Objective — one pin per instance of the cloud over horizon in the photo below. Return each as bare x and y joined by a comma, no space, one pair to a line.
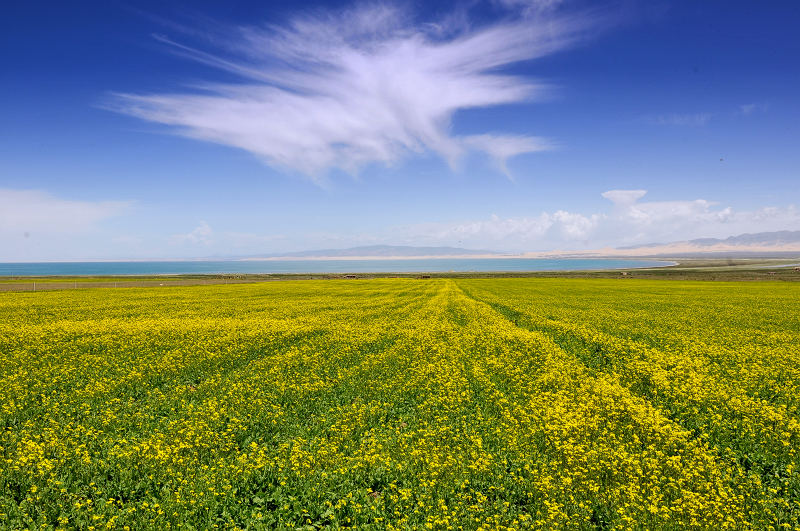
69,227
629,222
361,86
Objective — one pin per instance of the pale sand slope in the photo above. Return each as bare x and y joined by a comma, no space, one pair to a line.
670,249
679,248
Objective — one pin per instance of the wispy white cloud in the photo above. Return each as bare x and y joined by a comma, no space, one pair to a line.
26,213
692,119
700,119
752,108
36,225
367,85
531,6
222,242
500,148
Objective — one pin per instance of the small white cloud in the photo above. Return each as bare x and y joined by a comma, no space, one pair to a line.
624,197
36,213
201,235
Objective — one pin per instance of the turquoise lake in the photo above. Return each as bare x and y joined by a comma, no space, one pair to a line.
432,265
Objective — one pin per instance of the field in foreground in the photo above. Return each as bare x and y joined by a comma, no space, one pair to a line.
438,403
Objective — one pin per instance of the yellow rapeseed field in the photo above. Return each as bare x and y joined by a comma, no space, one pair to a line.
402,404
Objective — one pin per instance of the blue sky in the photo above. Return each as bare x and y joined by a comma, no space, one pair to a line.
139,130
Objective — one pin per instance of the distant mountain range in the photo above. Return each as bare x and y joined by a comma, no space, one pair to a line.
382,251
761,239
781,243
761,244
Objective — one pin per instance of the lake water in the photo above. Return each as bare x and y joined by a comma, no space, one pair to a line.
431,265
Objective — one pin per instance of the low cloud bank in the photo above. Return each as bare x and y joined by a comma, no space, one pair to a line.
630,221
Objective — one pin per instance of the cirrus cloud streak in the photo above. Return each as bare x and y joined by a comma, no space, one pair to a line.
362,86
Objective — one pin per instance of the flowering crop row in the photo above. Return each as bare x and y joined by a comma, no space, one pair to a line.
396,403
